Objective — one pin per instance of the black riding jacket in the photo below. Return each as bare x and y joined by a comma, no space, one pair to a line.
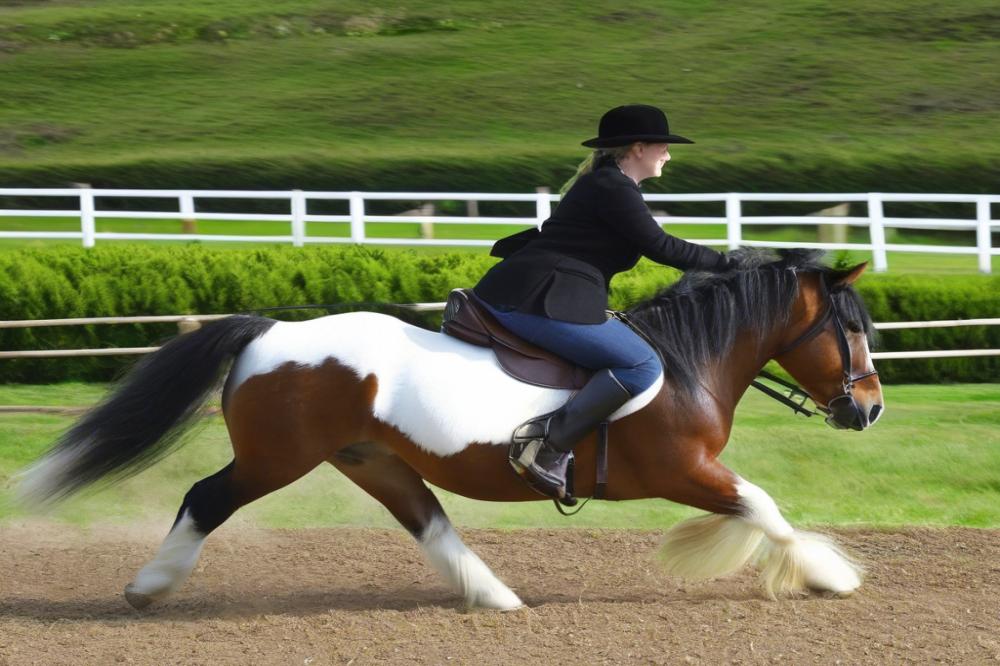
601,227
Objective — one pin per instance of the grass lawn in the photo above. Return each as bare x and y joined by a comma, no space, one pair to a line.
882,94
933,459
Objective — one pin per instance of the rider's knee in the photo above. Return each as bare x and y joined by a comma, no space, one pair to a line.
641,376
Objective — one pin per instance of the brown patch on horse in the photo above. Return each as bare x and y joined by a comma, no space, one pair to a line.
377,470
284,423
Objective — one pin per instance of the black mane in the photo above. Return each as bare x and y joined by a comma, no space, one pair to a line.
697,319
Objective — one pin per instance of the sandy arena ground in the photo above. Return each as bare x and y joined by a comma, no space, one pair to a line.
359,596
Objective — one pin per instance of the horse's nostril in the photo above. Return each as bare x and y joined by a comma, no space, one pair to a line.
873,415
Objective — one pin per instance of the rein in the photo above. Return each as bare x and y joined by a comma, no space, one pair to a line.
846,361
795,398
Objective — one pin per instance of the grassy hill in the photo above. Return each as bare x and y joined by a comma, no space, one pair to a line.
805,95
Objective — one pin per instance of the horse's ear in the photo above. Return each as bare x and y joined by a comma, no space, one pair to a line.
846,277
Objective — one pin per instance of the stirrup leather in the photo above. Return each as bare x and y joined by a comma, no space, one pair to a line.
541,449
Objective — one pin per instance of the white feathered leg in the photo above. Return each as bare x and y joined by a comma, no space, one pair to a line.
709,546
789,560
463,570
173,563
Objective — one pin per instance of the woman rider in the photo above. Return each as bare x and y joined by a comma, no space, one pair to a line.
551,287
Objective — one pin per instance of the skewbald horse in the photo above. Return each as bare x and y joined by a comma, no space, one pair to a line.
393,406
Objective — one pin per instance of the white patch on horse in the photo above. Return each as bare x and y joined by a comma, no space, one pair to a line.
870,367
761,510
440,392
173,563
463,569
792,560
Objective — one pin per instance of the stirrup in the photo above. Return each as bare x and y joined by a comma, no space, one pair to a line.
549,435
523,456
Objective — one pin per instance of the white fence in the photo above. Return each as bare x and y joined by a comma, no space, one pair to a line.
298,215
188,322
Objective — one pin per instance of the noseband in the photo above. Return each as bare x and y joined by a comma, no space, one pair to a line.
846,399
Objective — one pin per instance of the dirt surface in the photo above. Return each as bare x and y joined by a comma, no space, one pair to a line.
357,596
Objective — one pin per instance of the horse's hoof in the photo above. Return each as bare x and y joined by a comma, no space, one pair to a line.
494,609
499,600
137,599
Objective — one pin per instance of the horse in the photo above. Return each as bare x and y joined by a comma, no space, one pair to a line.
395,406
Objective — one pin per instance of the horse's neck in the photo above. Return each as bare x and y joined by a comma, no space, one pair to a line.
735,370
748,356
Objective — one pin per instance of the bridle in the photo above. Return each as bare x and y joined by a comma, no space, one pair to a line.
845,400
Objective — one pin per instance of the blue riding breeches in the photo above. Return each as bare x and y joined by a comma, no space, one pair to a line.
611,345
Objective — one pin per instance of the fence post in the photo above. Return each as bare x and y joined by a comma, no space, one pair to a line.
734,231
983,241
833,233
543,207
357,217
427,228
298,218
188,223
876,229
187,326
87,226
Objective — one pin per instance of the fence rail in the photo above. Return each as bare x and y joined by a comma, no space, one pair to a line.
187,322
297,217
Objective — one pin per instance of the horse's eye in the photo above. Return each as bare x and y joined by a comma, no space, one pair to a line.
853,326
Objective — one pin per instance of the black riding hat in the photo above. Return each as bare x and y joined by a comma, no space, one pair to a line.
623,125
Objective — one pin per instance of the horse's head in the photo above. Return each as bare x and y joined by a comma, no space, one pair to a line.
826,349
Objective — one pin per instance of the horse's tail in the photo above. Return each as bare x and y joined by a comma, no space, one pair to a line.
145,413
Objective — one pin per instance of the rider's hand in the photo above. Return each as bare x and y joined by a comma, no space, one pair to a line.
726,263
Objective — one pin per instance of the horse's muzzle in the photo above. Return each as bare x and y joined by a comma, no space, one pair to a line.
846,414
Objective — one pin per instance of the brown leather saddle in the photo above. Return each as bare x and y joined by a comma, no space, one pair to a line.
467,319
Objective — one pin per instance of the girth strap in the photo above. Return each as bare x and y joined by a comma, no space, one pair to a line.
601,484
601,479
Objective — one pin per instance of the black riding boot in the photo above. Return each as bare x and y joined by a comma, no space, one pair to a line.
542,447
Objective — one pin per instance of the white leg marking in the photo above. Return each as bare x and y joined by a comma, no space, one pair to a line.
790,560
172,565
716,545
463,570
762,512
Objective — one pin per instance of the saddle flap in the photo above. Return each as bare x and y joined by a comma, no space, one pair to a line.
467,320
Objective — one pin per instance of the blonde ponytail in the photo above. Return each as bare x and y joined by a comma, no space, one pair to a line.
587,165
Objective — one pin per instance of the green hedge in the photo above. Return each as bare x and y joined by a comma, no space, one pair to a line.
912,298
816,170
63,282
140,280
